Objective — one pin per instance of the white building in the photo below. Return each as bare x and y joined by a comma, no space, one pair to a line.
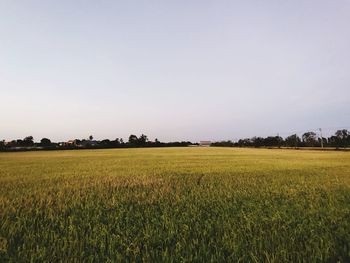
205,143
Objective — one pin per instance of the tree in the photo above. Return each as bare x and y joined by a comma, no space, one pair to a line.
323,140
293,141
91,137
223,144
309,138
342,137
116,142
342,134
156,142
142,140
133,139
2,144
257,141
273,141
28,141
105,143
17,143
45,142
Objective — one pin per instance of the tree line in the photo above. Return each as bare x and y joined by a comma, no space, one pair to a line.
341,139
133,141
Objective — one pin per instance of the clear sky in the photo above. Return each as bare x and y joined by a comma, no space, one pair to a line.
176,70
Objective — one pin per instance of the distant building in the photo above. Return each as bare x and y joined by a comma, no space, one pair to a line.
205,143
68,143
71,142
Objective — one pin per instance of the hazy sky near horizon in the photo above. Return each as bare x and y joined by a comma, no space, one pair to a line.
176,70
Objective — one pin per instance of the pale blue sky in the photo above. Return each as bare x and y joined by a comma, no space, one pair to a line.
176,70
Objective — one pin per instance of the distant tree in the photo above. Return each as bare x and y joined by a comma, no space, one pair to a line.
334,141
105,142
28,141
273,141
280,141
45,142
324,141
2,144
133,139
309,138
342,137
156,142
17,143
91,137
342,134
142,140
13,143
244,142
116,142
257,141
292,141
223,144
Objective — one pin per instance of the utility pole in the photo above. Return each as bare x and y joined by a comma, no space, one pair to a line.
321,138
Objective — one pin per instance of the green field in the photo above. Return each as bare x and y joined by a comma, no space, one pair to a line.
175,205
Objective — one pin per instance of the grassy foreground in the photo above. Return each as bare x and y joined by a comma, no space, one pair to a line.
173,205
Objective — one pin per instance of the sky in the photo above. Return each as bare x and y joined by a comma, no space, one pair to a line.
174,70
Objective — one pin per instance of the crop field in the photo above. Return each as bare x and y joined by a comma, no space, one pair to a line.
175,205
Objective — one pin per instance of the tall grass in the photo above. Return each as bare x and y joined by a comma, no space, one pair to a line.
174,205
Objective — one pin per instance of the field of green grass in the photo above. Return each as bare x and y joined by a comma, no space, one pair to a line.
175,205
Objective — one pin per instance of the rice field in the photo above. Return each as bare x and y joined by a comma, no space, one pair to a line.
175,205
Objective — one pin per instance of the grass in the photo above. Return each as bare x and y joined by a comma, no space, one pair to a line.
175,205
